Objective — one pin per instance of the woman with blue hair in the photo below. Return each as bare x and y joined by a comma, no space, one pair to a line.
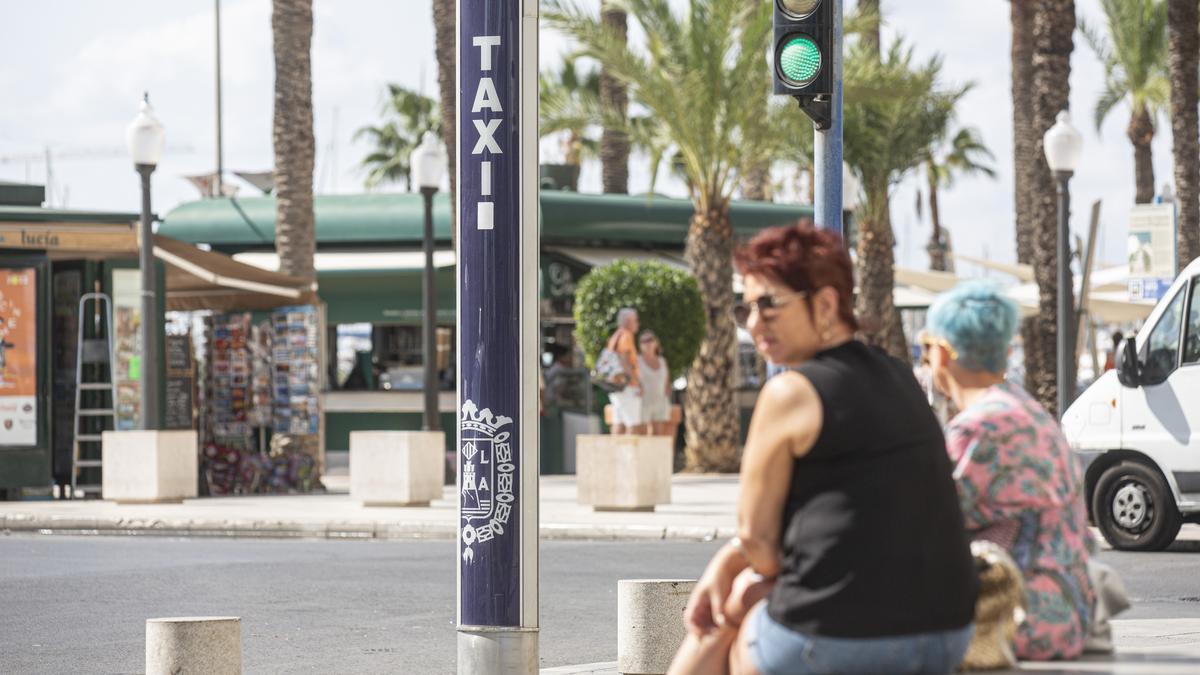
1018,484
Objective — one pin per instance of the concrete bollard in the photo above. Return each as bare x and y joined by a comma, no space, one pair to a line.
623,473
200,645
397,468
650,623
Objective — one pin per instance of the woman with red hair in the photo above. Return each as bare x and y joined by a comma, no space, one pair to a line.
851,555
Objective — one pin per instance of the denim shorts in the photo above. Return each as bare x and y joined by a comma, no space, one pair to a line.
778,650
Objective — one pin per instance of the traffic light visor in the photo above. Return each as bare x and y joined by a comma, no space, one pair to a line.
800,60
799,9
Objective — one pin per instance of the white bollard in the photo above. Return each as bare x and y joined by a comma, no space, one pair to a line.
200,645
397,468
623,473
650,623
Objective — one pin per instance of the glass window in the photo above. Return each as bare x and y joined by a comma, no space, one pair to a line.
1162,350
1191,343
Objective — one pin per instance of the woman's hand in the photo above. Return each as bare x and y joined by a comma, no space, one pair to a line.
705,610
748,589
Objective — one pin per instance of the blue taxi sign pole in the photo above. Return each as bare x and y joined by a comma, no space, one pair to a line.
498,337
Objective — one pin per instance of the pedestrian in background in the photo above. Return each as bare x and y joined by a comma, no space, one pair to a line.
1110,360
1018,483
848,522
627,403
656,385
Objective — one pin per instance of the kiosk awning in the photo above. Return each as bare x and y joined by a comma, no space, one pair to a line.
198,279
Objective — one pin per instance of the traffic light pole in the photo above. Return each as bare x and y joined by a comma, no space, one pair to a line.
827,149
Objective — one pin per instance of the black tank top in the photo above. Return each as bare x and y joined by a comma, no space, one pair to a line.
873,537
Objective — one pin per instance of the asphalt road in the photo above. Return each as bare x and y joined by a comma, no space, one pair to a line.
78,604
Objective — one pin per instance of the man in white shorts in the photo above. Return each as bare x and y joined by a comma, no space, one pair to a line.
627,403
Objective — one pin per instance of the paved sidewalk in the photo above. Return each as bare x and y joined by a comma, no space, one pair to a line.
1144,647
701,508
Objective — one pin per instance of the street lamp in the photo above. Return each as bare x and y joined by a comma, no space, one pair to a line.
428,165
144,138
1063,146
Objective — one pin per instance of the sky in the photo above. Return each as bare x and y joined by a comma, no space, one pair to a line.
76,70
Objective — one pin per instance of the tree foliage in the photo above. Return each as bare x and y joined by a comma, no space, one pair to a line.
407,115
667,300
1134,56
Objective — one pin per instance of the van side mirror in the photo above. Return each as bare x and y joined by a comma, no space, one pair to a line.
1128,369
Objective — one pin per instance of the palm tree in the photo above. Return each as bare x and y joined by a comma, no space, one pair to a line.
295,147
1024,159
569,102
965,155
295,151
407,115
1184,48
1135,68
697,71
445,25
614,142
1054,27
885,137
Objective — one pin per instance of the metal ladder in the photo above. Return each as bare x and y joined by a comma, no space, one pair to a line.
96,351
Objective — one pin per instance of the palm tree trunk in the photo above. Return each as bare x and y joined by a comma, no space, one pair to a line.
870,38
1054,26
756,181
295,147
1024,143
445,24
614,143
1184,34
1141,134
937,243
295,153
710,411
876,274
1024,159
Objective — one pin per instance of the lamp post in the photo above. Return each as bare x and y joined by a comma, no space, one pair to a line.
428,165
144,138
1063,145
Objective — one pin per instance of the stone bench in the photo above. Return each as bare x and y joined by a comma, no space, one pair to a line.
623,473
650,623
146,467
397,468
198,645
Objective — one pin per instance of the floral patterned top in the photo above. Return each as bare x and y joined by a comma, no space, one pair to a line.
1020,486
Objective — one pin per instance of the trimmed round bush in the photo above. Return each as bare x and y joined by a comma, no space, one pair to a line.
667,300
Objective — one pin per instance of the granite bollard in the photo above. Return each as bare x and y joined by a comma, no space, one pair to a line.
145,467
650,623
195,645
397,468
623,473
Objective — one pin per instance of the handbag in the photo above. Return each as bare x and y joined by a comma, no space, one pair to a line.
609,373
999,609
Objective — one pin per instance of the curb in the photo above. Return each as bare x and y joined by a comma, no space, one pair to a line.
26,523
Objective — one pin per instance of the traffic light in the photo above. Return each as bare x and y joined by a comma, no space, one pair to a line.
803,55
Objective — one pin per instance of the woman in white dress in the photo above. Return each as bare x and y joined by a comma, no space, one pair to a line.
656,386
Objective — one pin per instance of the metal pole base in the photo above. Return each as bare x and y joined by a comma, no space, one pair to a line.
484,650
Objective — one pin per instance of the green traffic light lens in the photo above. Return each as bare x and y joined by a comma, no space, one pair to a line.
799,8
800,60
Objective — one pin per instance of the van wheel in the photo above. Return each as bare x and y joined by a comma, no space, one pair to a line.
1134,508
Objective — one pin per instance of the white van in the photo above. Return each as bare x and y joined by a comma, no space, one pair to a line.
1136,430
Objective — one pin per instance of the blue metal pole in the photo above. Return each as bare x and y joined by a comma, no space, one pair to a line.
498,337
827,155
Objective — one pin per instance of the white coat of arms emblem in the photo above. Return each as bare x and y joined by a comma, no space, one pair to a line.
486,489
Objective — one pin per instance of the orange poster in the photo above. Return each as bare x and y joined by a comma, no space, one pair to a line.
18,356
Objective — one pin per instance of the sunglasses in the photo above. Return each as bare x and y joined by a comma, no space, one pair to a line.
928,342
765,306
